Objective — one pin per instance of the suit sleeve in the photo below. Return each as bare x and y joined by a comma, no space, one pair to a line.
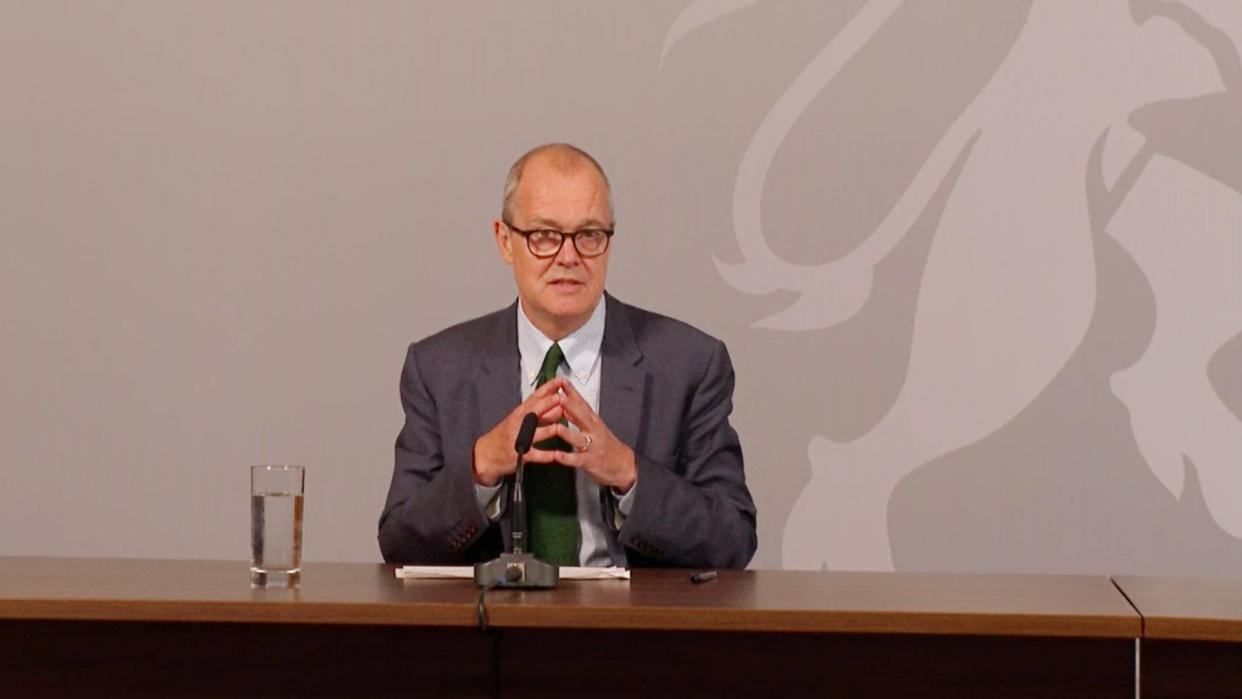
696,512
432,515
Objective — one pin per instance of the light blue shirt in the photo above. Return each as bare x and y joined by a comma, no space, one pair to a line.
582,367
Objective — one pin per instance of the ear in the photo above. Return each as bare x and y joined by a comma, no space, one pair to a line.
504,241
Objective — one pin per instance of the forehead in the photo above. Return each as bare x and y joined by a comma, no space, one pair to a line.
567,194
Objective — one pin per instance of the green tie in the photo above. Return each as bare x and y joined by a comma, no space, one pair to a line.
550,492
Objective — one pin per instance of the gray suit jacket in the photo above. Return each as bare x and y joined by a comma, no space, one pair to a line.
666,390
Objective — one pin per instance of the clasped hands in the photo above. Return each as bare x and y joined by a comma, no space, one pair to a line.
597,450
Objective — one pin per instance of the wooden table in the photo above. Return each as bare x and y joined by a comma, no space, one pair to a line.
1192,635
197,627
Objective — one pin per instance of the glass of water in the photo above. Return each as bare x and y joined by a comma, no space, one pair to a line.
276,493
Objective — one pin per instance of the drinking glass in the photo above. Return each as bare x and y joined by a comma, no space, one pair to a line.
276,493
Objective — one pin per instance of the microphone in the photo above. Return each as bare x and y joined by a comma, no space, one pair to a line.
517,494
526,434
516,567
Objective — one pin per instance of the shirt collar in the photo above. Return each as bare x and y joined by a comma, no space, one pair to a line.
581,347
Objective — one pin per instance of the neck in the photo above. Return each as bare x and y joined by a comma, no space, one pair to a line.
555,329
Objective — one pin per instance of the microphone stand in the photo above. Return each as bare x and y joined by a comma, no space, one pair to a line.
517,568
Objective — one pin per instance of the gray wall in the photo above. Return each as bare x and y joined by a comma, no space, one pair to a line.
978,262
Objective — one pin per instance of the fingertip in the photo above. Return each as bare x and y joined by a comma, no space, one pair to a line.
539,456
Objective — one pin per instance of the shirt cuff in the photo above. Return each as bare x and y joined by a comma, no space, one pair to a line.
488,497
624,503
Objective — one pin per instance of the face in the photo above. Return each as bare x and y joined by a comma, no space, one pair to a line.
557,293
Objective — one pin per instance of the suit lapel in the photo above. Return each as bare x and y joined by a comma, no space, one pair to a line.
623,379
497,383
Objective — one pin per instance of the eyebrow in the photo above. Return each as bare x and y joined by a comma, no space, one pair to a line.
539,222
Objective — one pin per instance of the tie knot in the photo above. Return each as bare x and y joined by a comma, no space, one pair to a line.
551,361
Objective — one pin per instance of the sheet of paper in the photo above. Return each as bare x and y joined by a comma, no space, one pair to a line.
467,572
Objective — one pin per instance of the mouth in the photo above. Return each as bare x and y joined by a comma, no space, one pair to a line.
565,284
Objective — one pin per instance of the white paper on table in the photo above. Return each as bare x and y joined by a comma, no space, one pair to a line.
467,572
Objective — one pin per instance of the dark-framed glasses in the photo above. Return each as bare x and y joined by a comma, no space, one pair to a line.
547,242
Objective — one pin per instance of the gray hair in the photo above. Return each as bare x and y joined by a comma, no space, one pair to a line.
566,158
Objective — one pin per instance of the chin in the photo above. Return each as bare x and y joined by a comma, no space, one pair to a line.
569,308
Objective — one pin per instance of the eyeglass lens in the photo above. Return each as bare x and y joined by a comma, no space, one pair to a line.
588,242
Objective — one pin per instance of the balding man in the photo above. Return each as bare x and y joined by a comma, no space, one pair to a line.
635,462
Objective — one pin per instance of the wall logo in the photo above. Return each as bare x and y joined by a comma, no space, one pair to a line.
1072,394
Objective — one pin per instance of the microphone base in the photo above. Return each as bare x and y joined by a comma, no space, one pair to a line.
520,570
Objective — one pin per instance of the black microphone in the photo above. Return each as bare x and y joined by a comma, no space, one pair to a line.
517,493
526,434
517,567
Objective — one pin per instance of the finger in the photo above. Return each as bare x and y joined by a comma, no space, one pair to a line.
572,459
539,405
570,390
546,432
540,456
580,413
553,414
550,387
542,398
549,456
574,438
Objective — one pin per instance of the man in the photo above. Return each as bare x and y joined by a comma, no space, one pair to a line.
635,462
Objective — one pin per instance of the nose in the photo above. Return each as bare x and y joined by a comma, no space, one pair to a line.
568,255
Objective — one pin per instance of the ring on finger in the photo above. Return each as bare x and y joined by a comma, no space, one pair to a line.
588,442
